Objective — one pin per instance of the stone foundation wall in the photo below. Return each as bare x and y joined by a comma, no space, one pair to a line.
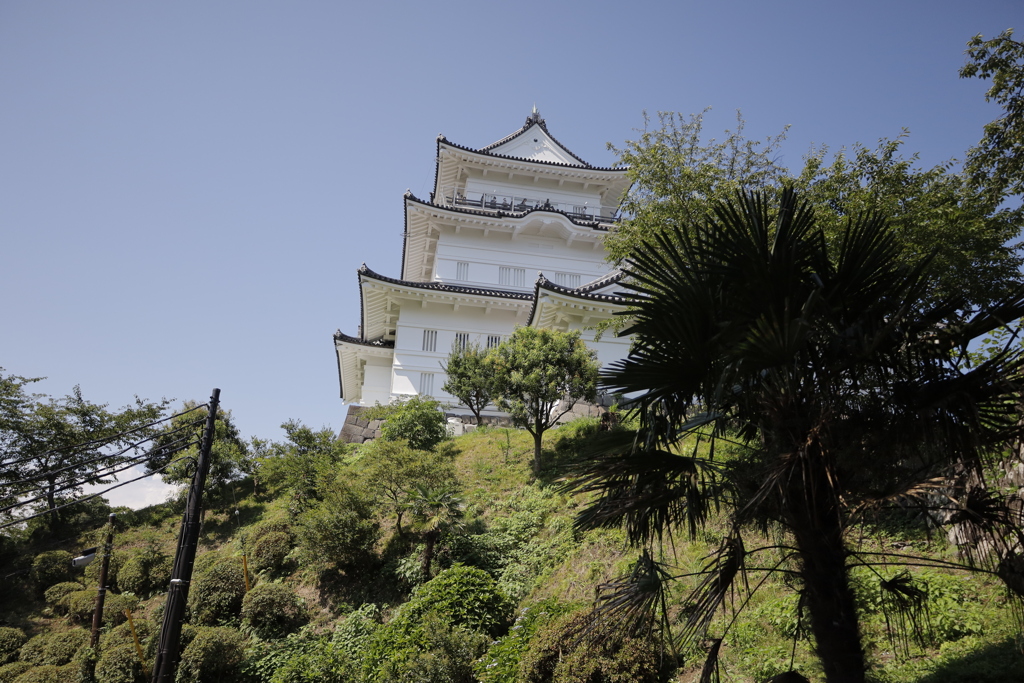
358,430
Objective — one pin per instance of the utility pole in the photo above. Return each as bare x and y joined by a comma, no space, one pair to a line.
101,594
168,654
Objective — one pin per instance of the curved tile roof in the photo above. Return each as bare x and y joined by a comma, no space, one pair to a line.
442,287
377,343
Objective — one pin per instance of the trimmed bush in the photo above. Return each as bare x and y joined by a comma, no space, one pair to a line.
215,655
9,672
82,603
467,596
561,652
258,531
51,567
145,574
269,551
61,647
40,674
57,595
34,651
205,562
122,635
341,531
119,664
92,570
272,610
216,595
11,640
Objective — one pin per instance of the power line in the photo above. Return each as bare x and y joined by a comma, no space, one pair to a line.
103,441
95,476
95,495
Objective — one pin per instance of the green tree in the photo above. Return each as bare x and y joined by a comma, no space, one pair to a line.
417,419
434,509
539,375
393,470
229,455
468,377
937,214
996,164
301,464
54,447
850,391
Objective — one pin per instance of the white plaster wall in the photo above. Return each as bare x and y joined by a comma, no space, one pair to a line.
534,254
376,381
494,184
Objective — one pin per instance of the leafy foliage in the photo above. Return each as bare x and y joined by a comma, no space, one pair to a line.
215,655
119,664
56,596
824,364
145,573
539,375
11,640
272,610
270,551
52,567
301,465
468,377
997,163
418,420
229,454
216,594
341,531
393,470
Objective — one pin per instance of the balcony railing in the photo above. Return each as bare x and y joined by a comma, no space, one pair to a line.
514,204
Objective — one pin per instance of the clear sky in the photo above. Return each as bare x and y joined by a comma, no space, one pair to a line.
188,188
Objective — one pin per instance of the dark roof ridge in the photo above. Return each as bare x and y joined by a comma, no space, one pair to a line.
595,225
380,342
560,164
442,287
603,281
544,283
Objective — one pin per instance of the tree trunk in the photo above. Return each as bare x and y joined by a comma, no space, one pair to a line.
537,435
428,553
817,528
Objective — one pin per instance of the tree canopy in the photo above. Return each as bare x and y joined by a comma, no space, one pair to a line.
953,220
53,447
538,377
468,378
848,387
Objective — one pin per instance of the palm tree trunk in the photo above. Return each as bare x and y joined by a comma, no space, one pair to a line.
815,519
428,553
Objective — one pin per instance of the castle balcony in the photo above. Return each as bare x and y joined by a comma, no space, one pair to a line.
510,204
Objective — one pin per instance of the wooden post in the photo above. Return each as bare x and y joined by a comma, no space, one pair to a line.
101,593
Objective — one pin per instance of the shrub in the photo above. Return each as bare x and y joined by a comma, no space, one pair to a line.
420,421
60,648
34,651
272,610
205,562
145,574
561,652
92,570
216,595
442,619
501,663
40,674
269,551
341,531
9,672
11,640
51,567
467,596
215,655
119,664
82,603
57,595
261,529
122,635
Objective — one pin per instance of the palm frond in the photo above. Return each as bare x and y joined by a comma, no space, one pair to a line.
629,605
726,565
986,526
649,492
905,607
710,673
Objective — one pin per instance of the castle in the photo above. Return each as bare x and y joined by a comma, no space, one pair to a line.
513,234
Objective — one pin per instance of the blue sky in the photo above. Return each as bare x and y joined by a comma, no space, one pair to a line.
187,188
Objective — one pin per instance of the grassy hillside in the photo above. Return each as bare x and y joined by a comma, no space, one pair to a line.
336,592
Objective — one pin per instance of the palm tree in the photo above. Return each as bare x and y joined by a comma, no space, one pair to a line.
434,509
849,393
